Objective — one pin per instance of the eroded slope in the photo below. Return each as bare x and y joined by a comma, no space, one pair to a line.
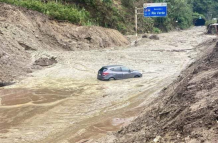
187,111
23,32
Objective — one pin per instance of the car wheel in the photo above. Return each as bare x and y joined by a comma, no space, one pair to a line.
110,79
136,76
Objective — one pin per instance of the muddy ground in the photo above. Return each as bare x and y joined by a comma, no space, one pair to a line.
186,111
65,102
24,32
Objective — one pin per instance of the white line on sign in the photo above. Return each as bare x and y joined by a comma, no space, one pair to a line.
154,4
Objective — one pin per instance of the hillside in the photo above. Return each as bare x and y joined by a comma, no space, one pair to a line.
119,14
24,35
186,111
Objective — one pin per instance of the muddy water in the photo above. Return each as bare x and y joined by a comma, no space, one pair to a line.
65,107
17,105
110,121
20,107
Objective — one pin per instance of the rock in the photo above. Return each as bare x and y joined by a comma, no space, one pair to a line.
2,84
26,47
88,38
145,36
154,37
157,139
45,61
2,54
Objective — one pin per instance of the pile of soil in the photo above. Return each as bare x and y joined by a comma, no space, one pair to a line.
186,111
23,32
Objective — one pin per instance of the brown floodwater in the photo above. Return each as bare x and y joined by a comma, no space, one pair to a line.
21,105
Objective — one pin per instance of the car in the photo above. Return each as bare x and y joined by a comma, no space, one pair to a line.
115,72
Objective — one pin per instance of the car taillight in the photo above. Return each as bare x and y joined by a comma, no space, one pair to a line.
105,73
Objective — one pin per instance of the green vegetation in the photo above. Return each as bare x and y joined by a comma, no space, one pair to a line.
80,12
104,13
181,13
211,22
56,10
156,30
209,8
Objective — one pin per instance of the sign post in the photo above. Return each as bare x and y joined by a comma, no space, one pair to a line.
136,22
150,10
155,10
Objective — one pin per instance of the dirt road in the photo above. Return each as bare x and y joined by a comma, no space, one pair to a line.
65,103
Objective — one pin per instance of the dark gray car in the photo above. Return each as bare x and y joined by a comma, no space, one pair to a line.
115,72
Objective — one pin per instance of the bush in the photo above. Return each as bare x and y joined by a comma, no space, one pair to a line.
156,30
211,22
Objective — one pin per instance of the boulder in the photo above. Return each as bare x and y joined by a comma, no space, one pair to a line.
154,37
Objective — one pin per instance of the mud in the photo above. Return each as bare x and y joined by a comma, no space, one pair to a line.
186,111
66,103
24,34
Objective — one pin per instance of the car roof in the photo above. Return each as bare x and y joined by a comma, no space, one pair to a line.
110,66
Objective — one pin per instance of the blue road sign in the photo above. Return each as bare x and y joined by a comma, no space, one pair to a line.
155,10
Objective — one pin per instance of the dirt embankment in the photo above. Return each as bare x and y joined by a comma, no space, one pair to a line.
24,33
186,111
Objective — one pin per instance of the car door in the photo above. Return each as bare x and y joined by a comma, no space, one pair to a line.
117,73
126,72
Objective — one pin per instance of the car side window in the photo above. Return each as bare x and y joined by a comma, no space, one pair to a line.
124,69
117,69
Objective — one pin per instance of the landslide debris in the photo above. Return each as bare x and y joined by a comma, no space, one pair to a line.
186,111
45,61
24,32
